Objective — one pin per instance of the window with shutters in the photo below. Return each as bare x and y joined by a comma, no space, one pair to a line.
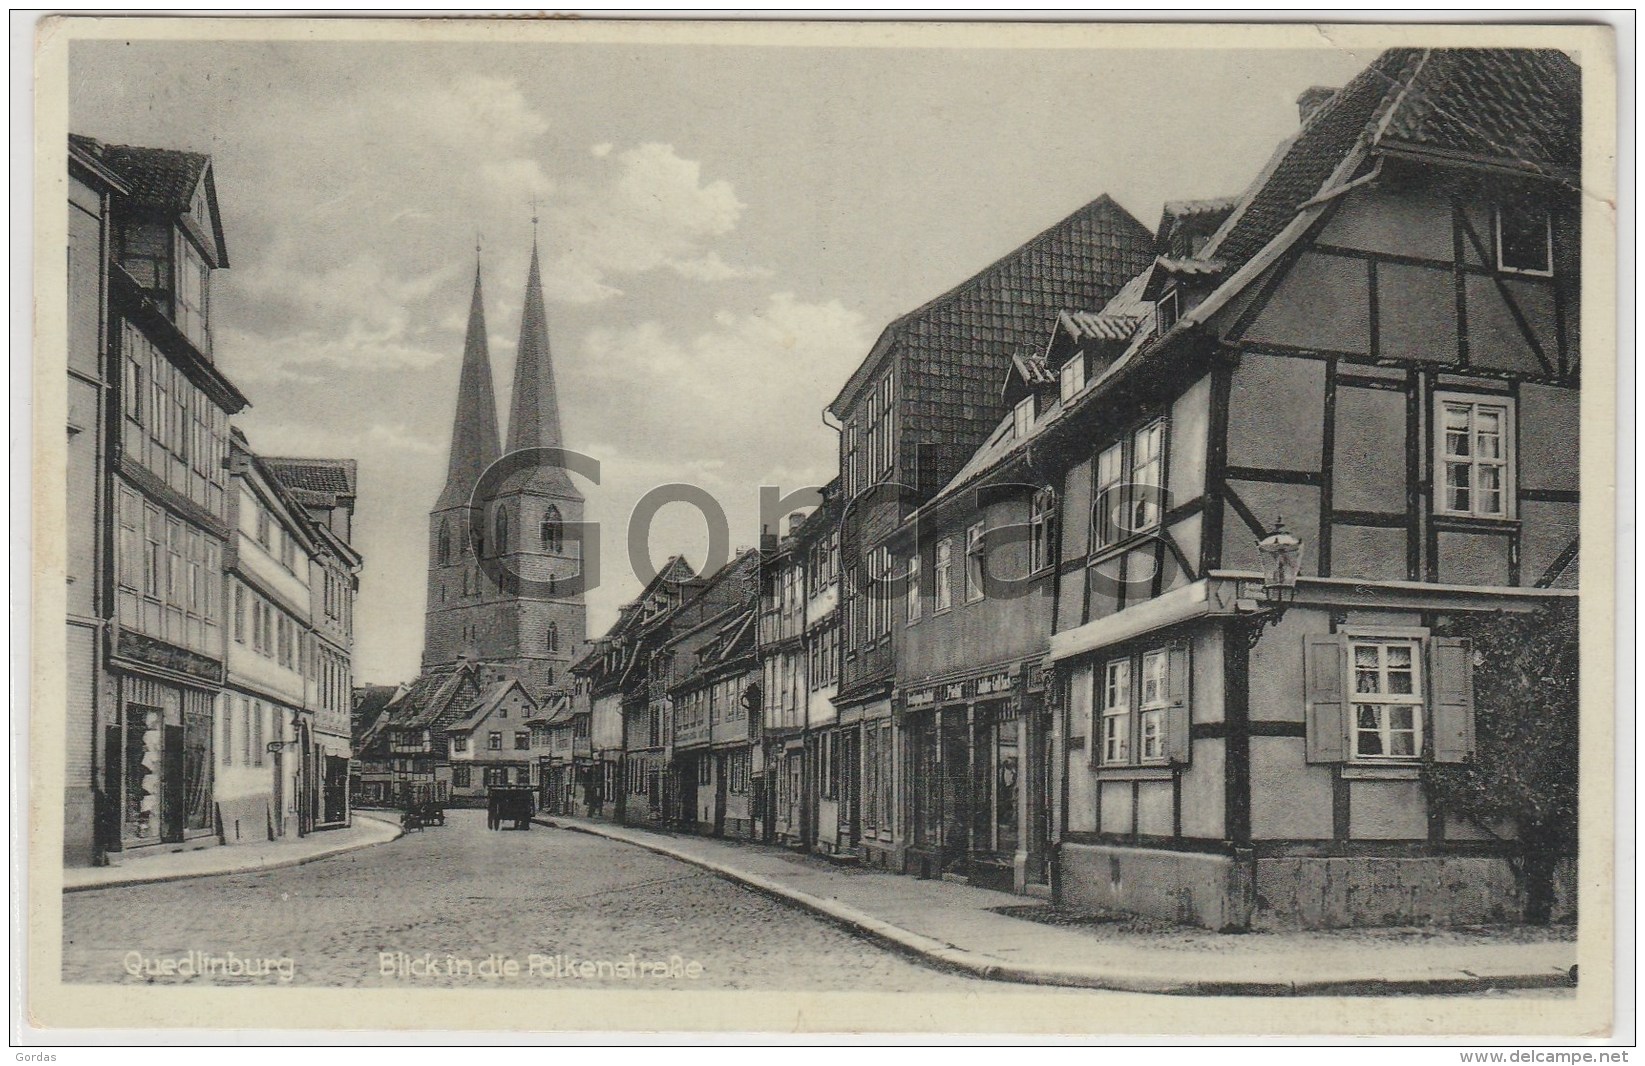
1381,696
1141,703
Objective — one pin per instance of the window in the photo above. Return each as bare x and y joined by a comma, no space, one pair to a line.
737,771
522,741
193,288
943,596
1142,700
240,613
551,637
459,742
1072,377
462,776
1168,310
973,563
1022,417
1151,713
1116,712
228,731
288,551
913,588
494,741
445,544
1386,698
501,523
1040,511
1475,460
1524,239
265,527
552,531
1110,495
1129,487
879,592
256,733
1147,485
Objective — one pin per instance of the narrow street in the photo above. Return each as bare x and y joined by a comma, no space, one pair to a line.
461,892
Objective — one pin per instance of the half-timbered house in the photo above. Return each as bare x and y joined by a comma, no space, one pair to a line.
1378,347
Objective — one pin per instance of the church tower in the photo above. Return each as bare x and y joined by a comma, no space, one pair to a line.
512,607
536,519
454,622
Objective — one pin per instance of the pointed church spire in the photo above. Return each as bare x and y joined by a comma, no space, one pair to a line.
474,431
534,417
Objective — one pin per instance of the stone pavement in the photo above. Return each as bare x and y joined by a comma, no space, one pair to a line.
961,928
241,858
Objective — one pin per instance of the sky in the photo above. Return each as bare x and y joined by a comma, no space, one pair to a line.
724,232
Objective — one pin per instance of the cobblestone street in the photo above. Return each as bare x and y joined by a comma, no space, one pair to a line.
463,892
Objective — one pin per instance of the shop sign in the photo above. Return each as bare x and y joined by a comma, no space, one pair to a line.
993,684
919,699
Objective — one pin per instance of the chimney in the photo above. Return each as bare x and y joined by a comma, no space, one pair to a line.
1312,99
795,520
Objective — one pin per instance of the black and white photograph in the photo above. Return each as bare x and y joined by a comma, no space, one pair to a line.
923,527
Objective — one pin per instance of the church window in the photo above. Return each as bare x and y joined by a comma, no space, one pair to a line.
445,543
553,530
502,530
552,638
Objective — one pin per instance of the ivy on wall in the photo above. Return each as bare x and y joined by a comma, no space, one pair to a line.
1526,733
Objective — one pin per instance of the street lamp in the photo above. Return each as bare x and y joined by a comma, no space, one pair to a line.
1281,554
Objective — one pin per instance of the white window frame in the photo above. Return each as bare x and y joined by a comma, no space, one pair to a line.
943,572
1415,641
1164,319
1071,378
1114,712
1157,429
1041,508
973,562
913,592
1022,416
1506,462
1548,234
1151,709
1113,483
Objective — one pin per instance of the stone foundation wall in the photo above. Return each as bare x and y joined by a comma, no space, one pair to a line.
1175,886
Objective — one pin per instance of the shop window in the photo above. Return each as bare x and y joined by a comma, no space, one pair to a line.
1475,460
143,739
1370,702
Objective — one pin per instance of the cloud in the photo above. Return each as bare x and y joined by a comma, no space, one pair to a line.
654,211
744,390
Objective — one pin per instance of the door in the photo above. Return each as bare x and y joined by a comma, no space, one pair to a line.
279,792
851,784
956,788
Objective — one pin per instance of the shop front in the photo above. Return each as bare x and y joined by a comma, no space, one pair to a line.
977,791
158,787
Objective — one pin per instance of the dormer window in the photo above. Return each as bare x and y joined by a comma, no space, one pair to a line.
1167,310
1072,377
1023,416
1524,240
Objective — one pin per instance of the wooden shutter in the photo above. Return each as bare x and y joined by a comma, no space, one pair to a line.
1322,677
1178,716
1451,688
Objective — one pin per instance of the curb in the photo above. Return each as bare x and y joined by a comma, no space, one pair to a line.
948,957
280,864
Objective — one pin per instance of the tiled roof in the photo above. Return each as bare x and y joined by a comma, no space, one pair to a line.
158,177
1302,164
1519,108
459,716
330,477
1098,325
1185,209
1033,369
959,346
1523,105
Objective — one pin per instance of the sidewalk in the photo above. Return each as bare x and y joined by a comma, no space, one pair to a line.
959,927
241,858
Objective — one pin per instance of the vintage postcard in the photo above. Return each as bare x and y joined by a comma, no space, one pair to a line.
823,527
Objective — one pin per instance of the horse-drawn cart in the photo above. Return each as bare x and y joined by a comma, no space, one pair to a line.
510,803
421,806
